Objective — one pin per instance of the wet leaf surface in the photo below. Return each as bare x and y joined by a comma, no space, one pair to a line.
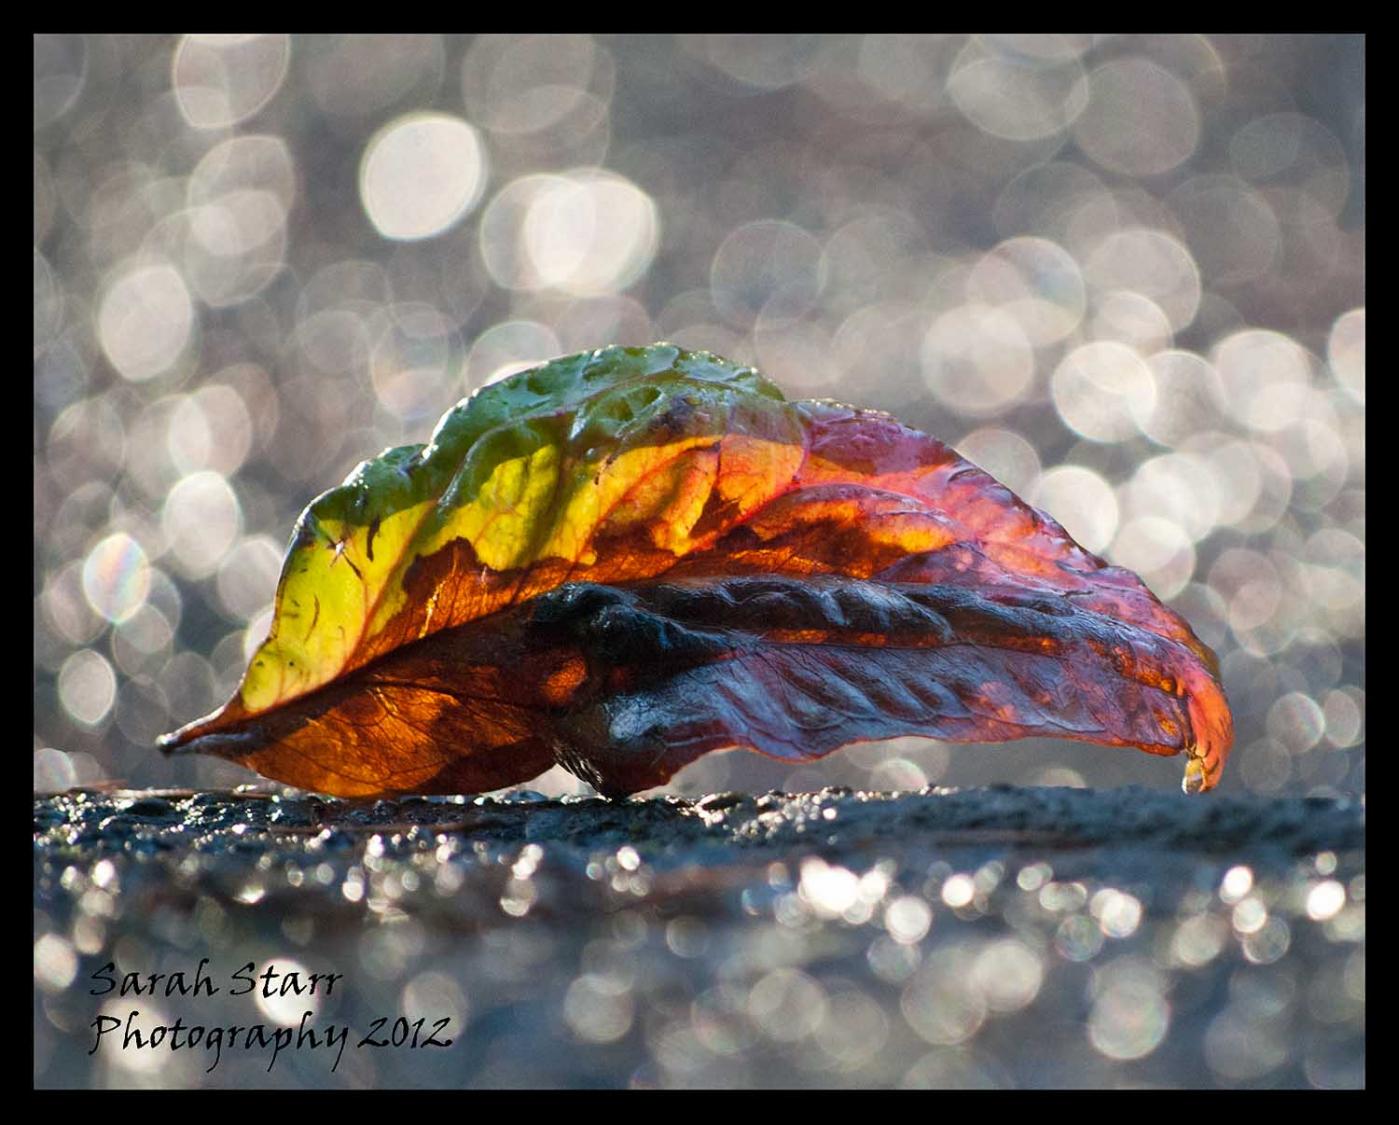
627,558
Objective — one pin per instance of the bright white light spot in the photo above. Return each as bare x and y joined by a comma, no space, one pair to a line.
590,232
1129,1019
53,771
1179,487
1009,974
421,174
1100,388
87,687
1199,940
1159,551
1237,882
1345,352
977,359
597,1008
201,519
1250,915
587,232
145,320
1037,282
1118,913
829,890
1129,318
1266,378
1325,900
958,891
1082,501
1189,398
908,919
55,963
1297,721
1150,262
1344,719
286,1009
210,429
116,577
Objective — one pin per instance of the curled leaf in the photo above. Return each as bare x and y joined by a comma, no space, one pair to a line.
624,559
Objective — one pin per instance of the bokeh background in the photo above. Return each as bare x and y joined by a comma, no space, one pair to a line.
1124,274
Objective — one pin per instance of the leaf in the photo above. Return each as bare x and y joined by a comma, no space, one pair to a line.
624,559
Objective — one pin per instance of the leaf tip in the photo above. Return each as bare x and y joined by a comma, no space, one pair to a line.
202,737
1199,778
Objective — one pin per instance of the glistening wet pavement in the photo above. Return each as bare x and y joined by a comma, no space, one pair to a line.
989,937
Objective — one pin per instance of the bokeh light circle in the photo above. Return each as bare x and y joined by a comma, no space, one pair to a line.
590,232
116,577
524,84
507,348
1345,352
586,232
220,80
1266,378
1005,454
1037,282
201,519
1150,262
60,73
1082,501
1014,97
421,174
1140,119
1159,551
768,268
145,320
1100,389
977,359
87,687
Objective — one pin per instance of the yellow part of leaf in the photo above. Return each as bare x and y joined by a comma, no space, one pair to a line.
347,585
502,521
602,485
323,603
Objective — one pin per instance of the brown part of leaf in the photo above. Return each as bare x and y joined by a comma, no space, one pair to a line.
626,685
455,713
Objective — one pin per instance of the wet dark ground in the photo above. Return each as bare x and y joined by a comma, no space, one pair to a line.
991,937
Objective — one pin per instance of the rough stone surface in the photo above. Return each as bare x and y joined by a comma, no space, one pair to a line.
1003,937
